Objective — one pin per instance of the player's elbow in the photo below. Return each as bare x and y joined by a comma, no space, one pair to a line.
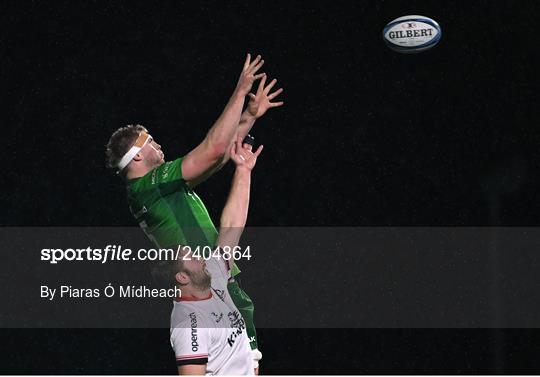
233,223
216,147
218,150
229,236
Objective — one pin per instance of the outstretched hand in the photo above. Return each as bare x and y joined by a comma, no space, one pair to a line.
260,101
248,75
242,155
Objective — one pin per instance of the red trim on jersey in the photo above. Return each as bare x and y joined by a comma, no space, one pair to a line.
199,356
193,298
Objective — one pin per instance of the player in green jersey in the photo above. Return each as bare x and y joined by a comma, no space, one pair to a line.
160,194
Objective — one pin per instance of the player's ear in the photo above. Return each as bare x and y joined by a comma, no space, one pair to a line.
181,278
138,157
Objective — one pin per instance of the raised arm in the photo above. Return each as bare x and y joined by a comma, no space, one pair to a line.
214,146
234,215
258,104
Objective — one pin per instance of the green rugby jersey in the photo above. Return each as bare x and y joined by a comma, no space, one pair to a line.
169,211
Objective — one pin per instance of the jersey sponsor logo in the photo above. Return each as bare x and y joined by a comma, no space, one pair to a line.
165,172
217,318
220,293
194,341
238,323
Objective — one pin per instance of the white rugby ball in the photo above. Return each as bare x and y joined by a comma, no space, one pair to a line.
409,34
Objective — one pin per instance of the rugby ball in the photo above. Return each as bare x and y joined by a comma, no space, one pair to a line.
410,34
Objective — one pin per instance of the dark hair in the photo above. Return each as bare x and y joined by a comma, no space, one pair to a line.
164,272
119,143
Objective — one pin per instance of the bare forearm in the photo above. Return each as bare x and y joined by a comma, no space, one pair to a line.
234,215
246,123
235,212
226,126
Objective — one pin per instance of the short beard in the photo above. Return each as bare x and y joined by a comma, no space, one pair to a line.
200,280
153,164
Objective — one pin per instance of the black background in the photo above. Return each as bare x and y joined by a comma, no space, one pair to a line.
367,137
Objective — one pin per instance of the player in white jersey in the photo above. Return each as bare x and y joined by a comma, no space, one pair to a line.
208,333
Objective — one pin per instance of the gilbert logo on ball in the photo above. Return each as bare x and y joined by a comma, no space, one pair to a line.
409,34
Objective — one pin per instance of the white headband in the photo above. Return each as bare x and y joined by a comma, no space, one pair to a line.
141,141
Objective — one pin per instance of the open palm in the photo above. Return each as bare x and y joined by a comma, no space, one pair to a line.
242,155
260,102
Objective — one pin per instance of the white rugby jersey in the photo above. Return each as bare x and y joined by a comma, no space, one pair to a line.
212,331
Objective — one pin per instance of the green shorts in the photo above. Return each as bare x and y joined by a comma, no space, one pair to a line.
246,308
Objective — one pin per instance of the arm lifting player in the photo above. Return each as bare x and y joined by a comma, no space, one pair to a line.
201,348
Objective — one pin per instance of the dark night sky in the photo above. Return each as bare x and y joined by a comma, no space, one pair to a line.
367,136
